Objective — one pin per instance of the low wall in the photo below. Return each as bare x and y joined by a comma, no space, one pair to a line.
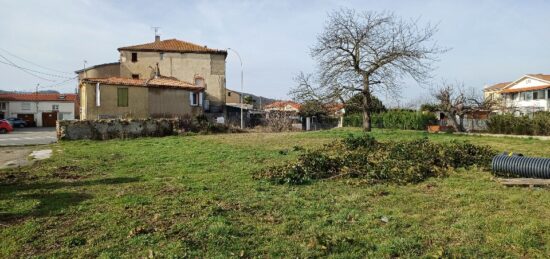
113,129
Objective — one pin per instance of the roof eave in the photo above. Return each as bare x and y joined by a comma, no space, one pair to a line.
223,52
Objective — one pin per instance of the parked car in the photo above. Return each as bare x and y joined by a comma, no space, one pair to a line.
5,126
17,122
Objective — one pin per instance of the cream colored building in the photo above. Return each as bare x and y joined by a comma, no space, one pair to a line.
115,97
528,94
191,70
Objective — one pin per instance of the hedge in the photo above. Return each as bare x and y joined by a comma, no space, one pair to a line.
536,124
396,119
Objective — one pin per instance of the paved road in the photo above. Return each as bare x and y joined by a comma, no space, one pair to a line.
28,136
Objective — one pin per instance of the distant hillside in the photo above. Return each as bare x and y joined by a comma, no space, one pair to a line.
29,92
258,100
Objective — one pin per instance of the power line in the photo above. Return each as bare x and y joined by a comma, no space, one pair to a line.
11,63
24,70
30,62
58,83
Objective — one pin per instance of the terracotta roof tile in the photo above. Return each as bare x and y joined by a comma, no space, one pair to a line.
541,76
161,82
523,89
173,45
38,97
496,86
282,104
334,107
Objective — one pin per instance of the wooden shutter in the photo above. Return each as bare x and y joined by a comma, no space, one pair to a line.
201,97
122,97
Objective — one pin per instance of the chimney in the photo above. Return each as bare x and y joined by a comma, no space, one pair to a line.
157,38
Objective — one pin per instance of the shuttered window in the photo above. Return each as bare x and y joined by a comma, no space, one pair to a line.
122,97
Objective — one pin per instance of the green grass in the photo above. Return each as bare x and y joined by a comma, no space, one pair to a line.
194,196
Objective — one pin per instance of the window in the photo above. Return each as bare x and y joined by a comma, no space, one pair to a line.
122,97
135,76
3,106
541,95
195,99
538,95
228,93
55,107
134,56
161,55
25,106
526,96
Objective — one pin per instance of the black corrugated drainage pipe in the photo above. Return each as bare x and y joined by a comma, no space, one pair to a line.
510,164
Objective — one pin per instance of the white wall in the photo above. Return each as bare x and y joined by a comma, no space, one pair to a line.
529,106
528,82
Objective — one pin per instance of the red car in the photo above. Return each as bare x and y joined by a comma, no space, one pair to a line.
5,126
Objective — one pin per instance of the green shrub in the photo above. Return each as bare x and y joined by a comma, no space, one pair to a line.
393,162
536,124
353,120
393,119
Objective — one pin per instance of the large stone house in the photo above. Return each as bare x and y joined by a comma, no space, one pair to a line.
164,78
530,93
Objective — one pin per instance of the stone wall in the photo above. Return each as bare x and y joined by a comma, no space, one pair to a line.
113,129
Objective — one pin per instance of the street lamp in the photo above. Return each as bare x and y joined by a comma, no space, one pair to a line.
242,88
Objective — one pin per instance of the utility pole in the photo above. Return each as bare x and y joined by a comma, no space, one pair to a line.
36,103
242,87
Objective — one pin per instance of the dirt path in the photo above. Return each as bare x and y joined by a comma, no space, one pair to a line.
11,157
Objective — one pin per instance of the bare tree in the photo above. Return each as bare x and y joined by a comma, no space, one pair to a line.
308,89
456,103
358,52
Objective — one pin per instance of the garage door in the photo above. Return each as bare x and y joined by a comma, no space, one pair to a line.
49,119
29,118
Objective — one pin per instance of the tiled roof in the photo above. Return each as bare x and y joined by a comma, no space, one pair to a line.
497,86
38,97
334,107
523,89
282,104
541,76
173,45
161,82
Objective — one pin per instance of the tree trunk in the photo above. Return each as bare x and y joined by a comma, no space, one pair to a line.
456,125
367,100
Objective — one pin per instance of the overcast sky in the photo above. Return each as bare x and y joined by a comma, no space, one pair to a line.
492,41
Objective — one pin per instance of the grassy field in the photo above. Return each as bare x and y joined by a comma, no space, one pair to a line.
194,196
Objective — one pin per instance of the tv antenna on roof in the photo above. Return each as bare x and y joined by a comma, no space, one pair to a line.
156,29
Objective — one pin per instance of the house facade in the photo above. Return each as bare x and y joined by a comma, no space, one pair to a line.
528,94
285,106
163,78
42,110
115,97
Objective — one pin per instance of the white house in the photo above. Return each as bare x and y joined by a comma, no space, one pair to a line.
528,94
42,110
286,106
